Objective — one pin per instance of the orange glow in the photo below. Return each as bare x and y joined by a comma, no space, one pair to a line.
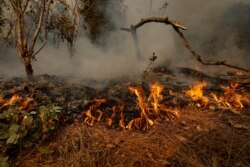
109,121
195,92
150,108
121,121
141,103
15,98
90,119
25,104
2,100
231,97
155,96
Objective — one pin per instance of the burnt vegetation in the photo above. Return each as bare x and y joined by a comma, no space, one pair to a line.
165,116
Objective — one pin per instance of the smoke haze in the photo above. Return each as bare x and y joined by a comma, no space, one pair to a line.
201,17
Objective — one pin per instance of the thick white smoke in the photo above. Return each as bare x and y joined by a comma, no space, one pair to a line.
200,16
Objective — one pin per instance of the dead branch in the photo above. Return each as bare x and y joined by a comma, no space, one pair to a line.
206,62
178,27
165,20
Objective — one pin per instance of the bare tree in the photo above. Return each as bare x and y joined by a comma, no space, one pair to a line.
26,37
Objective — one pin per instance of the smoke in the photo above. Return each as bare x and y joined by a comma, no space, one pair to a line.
206,34
215,30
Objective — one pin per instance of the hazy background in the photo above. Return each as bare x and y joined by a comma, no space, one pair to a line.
209,33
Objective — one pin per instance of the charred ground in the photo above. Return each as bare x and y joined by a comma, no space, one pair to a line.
199,135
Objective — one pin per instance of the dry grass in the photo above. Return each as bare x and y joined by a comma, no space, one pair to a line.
195,139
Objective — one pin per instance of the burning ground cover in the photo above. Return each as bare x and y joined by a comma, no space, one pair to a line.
161,122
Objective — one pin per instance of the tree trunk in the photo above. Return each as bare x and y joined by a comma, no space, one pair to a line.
136,43
29,71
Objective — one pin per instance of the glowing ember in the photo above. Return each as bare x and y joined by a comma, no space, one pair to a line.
2,100
25,105
195,92
13,99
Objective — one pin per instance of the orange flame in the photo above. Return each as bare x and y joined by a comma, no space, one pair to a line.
110,120
90,119
25,104
143,106
195,92
231,98
2,100
121,121
155,96
15,98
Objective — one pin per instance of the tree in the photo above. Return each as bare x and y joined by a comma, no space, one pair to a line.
65,24
26,36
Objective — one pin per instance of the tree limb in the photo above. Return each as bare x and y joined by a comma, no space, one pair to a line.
178,27
39,25
8,34
206,62
46,33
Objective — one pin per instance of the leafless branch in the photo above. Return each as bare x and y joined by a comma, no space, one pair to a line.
178,27
39,25
165,20
8,34
46,32
208,62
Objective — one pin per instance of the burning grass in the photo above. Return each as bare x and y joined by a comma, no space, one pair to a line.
137,125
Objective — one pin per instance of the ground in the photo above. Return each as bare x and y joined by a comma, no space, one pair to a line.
201,135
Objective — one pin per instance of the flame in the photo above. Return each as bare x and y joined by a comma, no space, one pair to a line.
195,92
110,120
155,97
121,121
141,103
231,97
149,109
2,100
90,119
25,105
15,98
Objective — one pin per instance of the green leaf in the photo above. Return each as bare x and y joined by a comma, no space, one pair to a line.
45,150
4,164
4,135
57,109
28,120
33,113
36,136
4,158
12,139
13,128
52,127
